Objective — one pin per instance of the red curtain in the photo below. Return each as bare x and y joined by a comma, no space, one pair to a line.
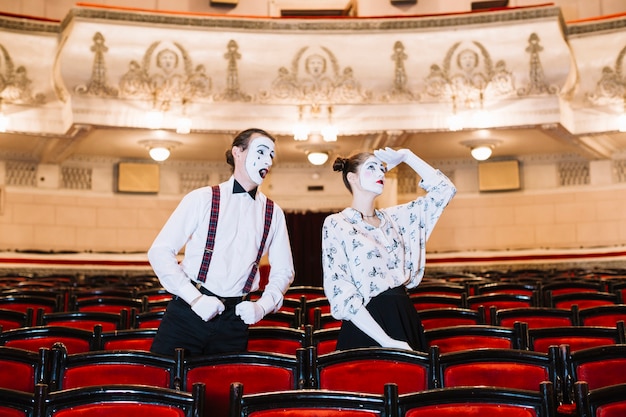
305,233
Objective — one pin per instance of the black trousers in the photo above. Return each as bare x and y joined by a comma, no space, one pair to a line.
395,313
182,328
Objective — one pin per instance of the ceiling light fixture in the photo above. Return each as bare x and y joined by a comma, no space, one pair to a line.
317,158
481,149
482,152
159,150
317,152
159,153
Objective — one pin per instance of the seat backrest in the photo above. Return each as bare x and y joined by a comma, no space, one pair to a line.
154,294
84,319
500,301
617,285
572,285
16,403
507,368
22,369
535,316
409,370
324,320
110,304
128,339
440,288
22,303
605,315
275,339
312,403
324,340
147,319
582,299
450,339
113,367
598,366
33,338
523,288
451,316
479,401
103,291
11,319
310,292
290,319
430,301
310,306
608,401
123,400
260,371
577,337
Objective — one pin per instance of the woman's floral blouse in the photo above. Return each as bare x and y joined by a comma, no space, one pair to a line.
360,261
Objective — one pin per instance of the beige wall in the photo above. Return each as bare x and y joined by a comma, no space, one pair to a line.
564,219
547,216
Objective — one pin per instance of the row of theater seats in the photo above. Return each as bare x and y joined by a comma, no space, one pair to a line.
142,400
556,378
449,340
494,309
143,297
105,400
287,340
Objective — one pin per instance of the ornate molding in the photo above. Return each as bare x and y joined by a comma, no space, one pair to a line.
348,24
596,26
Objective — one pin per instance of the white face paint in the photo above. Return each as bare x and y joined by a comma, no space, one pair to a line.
259,158
372,175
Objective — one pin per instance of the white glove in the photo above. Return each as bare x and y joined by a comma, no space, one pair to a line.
207,307
391,157
364,321
250,312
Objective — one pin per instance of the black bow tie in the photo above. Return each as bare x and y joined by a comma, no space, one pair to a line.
237,188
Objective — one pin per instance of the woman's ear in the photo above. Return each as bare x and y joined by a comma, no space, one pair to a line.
352,178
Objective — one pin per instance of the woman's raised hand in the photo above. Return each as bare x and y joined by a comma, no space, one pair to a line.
391,157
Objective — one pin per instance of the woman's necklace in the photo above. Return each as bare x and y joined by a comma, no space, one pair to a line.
366,216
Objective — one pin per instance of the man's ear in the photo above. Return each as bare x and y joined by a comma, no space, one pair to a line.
236,151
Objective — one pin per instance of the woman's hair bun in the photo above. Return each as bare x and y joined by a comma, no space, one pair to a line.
339,164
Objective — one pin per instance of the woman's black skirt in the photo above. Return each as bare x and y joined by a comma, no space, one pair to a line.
395,313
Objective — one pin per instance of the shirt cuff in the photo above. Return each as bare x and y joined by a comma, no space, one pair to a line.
267,303
189,292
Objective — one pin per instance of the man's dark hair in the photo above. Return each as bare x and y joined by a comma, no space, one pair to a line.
242,139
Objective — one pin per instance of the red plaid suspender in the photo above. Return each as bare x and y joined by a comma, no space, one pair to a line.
210,239
269,210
